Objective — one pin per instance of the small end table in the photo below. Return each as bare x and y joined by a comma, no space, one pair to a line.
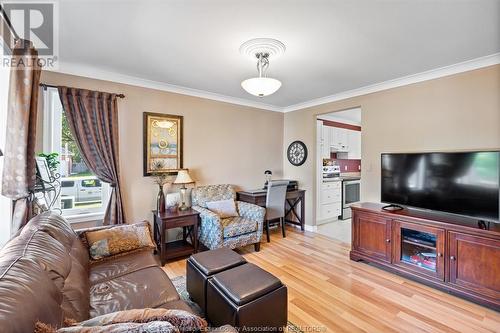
188,220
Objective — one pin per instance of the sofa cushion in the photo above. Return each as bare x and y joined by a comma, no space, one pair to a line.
146,288
236,226
51,255
76,302
124,238
27,294
110,269
53,224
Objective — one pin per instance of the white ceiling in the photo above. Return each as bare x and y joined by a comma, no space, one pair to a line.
332,46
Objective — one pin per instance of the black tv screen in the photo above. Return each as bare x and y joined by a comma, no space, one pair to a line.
464,183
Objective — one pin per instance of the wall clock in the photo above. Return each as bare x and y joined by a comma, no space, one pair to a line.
297,153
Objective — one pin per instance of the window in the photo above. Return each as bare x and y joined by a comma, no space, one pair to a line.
82,195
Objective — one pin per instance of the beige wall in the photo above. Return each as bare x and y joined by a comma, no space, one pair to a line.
223,143
458,112
235,144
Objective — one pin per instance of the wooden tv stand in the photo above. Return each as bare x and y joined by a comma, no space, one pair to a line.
453,254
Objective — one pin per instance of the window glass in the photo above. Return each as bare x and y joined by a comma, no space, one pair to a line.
81,192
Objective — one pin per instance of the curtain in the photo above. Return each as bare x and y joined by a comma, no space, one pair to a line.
93,120
19,165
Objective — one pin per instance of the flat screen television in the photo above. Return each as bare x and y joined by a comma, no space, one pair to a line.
463,183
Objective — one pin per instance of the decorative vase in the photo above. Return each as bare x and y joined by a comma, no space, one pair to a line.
160,200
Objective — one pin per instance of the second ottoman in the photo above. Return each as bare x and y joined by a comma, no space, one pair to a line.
248,298
202,266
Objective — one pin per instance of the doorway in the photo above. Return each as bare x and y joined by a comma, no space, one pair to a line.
338,176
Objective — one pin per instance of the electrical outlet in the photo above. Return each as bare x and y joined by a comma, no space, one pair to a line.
345,167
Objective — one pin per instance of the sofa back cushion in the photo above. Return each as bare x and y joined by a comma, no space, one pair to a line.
27,294
50,240
48,253
203,194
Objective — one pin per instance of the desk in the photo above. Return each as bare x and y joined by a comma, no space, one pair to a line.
293,198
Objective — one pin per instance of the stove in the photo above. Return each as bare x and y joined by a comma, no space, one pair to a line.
331,172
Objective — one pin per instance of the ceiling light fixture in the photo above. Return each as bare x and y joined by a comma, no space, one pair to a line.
262,49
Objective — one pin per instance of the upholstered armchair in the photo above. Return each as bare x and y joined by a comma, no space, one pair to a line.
231,232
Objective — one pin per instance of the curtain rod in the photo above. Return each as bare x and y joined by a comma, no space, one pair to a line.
9,24
52,86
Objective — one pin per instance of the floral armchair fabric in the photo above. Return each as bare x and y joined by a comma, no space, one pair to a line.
231,232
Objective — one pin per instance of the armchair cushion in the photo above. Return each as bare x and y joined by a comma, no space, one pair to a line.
204,194
223,208
236,226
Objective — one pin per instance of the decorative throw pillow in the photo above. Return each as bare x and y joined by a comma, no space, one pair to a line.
223,208
124,238
183,320
150,327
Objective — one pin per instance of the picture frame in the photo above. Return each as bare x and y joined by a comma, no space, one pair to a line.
162,140
42,169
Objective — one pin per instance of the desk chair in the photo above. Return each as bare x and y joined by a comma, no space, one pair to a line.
275,204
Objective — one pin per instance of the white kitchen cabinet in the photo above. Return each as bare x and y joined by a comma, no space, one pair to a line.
339,138
330,200
323,139
354,152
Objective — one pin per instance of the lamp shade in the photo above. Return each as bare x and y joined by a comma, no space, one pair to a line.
183,177
261,86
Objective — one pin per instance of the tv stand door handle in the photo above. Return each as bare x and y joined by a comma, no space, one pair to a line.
440,254
453,258
388,240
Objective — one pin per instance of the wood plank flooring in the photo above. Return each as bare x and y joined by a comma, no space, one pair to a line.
327,292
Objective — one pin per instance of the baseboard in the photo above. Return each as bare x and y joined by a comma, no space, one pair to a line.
311,228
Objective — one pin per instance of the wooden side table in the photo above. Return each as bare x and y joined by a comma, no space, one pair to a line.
187,220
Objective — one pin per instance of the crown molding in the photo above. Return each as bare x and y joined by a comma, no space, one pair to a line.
95,73
92,72
461,67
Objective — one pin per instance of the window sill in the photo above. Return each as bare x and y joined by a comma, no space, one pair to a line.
87,217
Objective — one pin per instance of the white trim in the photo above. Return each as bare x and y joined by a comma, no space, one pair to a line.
311,228
92,72
461,67
89,217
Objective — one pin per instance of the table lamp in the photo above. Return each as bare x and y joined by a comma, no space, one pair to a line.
183,178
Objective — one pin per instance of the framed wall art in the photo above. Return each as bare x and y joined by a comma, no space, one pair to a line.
162,143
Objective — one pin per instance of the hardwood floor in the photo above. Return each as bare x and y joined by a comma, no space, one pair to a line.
328,292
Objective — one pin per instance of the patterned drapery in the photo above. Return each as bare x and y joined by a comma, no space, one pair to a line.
19,164
93,119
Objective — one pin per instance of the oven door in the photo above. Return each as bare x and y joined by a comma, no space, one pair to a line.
350,192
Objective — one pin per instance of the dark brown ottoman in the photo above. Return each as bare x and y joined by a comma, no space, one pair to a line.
248,298
202,266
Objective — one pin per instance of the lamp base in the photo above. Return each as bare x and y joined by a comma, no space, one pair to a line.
183,207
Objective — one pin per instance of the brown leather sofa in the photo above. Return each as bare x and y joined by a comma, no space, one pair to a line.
45,275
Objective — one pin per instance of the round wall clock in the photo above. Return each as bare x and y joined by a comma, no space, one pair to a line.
297,153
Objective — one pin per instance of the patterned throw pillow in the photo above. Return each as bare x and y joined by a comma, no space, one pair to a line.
150,327
223,208
182,320
124,238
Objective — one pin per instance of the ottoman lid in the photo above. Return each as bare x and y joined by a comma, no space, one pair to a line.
245,283
215,261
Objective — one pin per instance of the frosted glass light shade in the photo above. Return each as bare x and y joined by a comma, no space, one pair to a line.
261,86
